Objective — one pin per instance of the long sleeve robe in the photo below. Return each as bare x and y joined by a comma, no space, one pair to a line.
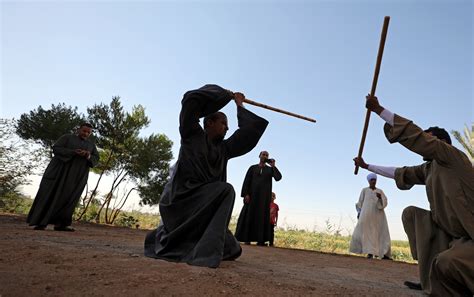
447,230
371,235
197,202
63,182
254,219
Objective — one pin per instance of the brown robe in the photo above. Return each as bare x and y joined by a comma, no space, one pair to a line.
440,239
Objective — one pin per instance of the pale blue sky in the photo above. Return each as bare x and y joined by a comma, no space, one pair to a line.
315,58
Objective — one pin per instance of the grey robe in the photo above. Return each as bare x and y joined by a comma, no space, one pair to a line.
63,182
443,234
196,204
254,219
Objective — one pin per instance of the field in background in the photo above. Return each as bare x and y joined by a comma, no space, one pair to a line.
328,241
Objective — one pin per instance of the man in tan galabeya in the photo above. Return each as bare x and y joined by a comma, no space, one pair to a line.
440,239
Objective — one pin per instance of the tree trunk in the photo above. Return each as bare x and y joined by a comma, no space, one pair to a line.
118,210
109,197
94,192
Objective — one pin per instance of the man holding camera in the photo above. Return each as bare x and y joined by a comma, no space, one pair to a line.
254,219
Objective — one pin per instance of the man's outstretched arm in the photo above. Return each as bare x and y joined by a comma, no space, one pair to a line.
405,177
386,171
405,132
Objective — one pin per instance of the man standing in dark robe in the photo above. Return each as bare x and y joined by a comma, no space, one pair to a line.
64,180
197,202
441,239
254,219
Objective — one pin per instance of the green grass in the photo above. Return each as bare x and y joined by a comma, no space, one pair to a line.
15,203
19,204
331,243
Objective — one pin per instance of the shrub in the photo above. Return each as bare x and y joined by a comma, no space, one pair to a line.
13,202
126,221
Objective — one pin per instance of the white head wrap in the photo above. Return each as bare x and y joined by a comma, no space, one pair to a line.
371,176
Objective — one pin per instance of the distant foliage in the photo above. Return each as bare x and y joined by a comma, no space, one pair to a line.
18,158
15,203
289,237
150,167
89,214
466,140
127,221
131,219
330,241
47,125
142,162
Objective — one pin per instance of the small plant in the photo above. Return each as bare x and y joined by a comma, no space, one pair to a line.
89,215
13,202
127,221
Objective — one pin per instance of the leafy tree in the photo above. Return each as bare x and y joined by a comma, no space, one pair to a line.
46,126
18,158
126,156
466,140
152,172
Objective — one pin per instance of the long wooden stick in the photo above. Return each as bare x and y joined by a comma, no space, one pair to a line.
374,86
279,110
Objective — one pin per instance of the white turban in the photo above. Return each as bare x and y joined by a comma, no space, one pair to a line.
371,176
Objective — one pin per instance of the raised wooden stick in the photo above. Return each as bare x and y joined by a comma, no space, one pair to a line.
374,86
279,110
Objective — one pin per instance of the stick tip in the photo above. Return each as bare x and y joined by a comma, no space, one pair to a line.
356,169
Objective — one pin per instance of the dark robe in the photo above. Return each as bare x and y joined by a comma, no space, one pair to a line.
63,182
197,202
254,219
441,239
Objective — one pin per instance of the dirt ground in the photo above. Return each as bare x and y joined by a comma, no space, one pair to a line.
99,260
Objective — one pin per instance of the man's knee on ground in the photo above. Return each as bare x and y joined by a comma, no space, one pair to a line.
408,214
445,263
228,188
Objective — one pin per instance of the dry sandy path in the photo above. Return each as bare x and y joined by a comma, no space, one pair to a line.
99,260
